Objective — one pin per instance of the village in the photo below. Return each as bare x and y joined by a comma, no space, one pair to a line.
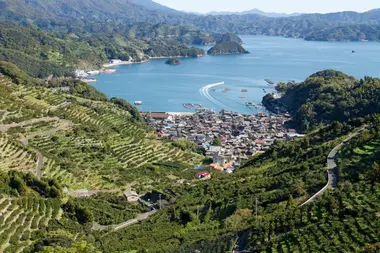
226,138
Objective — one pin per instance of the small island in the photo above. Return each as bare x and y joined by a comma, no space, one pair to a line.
224,48
173,61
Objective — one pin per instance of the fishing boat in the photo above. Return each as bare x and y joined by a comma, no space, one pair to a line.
109,71
192,106
244,90
226,90
138,102
249,103
269,81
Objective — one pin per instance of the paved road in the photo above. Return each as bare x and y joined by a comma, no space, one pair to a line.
127,223
332,170
40,164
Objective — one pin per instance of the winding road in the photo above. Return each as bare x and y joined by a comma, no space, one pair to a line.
332,170
25,141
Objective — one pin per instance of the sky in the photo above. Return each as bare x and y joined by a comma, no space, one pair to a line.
282,6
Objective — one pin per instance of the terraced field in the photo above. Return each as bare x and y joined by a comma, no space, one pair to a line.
85,143
327,233
20,217
15,157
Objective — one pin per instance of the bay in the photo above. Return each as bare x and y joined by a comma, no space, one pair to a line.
166,88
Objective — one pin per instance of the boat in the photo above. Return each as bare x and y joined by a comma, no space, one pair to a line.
269,81
88,80
244,90
242,96
265,90
138,103
109,71
192,106
249,103
353,51
226,90
213,89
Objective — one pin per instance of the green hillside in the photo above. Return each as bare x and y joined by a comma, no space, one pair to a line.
98,147
42,54
81,172
326,96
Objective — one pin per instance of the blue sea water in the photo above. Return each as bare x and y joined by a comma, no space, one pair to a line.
163,87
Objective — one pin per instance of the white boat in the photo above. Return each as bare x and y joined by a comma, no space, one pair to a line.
138,102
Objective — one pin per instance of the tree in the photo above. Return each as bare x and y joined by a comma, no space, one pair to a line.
374,175
83,215
290,204
216,142
18,184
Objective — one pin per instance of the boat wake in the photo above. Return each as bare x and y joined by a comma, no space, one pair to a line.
204,91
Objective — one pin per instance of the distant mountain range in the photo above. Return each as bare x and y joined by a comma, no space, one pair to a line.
73,15
255,11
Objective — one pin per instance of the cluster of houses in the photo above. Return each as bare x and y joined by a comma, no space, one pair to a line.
227,138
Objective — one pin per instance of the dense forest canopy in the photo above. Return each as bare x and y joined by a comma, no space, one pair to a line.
327,96
42,54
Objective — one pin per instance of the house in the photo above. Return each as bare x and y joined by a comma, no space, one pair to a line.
215,149
259,142
131,196
158,116
261,114
216,167
203,175
291,135
218,159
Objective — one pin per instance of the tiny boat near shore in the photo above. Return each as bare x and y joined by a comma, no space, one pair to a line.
138,102
244,90
192,106
270,82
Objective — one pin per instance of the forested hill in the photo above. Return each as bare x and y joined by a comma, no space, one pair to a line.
42,54
73,15
327,96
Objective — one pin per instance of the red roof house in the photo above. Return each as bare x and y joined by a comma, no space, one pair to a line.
260,142
203,174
